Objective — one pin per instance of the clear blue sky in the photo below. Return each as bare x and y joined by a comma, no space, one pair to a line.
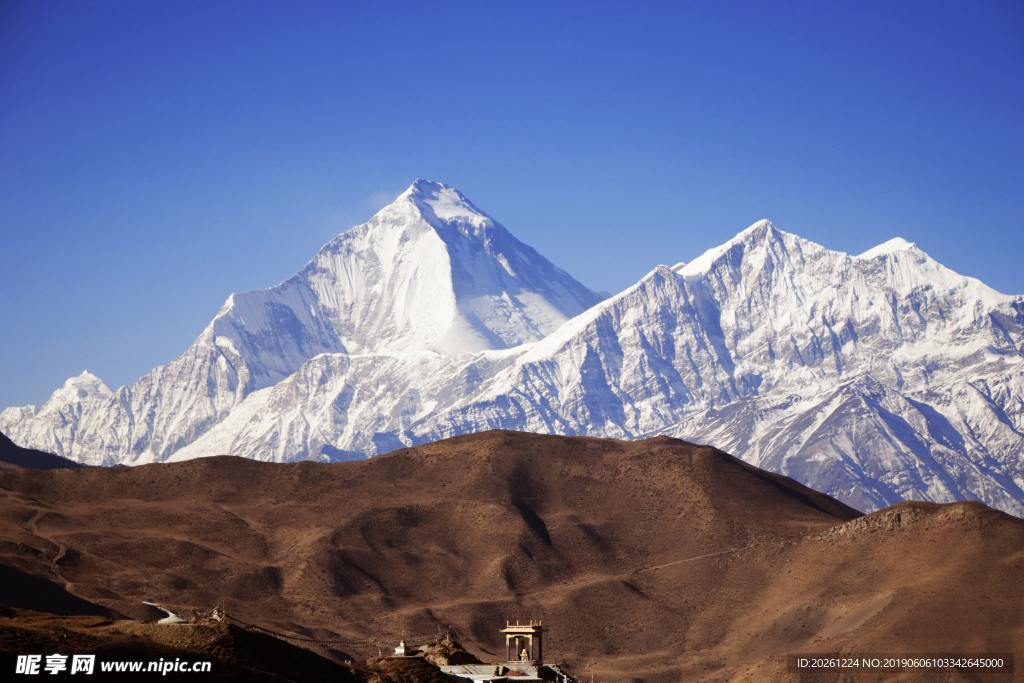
155,157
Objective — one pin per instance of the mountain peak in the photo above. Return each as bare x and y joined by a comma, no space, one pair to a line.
428,272
84,379
763,225
759,231
426,185
441,204
888,247
84,385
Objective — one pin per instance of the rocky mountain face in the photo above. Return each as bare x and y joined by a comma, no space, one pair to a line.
875,378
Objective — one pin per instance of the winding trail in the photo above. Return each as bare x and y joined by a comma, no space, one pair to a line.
62,549
716,553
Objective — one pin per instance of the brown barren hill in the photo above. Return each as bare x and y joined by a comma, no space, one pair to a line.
655,560
13,455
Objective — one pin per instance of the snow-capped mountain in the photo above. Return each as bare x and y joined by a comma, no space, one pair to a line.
873,378
430,272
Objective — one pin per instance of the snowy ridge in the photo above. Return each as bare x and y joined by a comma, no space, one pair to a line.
874,378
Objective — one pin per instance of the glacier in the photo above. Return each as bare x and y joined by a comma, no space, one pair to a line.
875,378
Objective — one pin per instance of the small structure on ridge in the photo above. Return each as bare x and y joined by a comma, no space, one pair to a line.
524,643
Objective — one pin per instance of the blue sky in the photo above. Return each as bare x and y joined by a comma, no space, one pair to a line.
155,157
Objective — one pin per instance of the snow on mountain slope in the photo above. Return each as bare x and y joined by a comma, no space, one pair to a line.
428,272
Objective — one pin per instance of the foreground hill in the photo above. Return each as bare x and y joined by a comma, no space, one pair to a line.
654,559
11,454
235,654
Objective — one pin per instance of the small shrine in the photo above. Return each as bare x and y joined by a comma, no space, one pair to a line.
524,660
524,643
